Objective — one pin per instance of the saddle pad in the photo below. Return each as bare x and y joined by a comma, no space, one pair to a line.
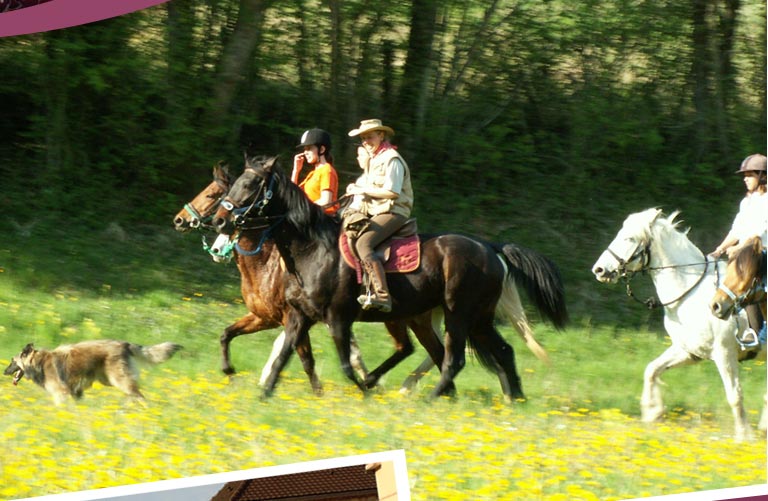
404,254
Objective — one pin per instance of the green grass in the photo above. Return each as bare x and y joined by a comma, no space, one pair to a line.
578,436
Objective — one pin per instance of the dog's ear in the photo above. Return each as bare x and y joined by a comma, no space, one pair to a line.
28,349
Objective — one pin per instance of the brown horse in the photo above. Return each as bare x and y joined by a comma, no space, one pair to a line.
465,277
263,294
744,281
744,284
198,212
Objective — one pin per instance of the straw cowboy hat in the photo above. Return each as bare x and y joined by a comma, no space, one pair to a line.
371,125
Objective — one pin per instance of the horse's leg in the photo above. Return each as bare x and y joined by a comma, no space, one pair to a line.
491,346
341,330
403,348
426,327
455,357
728,366
356,358
417,374
296,328
277,345
651,404
246,325
304,351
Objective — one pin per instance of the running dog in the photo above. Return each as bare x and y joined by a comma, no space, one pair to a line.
69,370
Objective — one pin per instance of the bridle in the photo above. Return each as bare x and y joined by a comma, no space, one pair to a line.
244,220
199,220
643,252
751,295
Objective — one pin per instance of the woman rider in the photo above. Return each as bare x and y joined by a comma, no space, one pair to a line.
321,184
751,221
384,197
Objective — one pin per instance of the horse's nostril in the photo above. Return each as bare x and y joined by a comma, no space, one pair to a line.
597,271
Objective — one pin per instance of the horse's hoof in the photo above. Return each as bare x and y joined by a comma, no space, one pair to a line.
370,382
228,371
515,399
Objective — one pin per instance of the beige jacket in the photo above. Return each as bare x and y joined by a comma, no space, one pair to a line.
387,170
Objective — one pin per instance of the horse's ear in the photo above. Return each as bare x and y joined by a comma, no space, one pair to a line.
270,163
221,170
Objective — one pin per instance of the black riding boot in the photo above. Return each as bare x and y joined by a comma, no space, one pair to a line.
379,296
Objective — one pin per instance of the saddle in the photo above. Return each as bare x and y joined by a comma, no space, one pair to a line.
400,253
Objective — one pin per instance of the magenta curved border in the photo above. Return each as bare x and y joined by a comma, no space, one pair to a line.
58,14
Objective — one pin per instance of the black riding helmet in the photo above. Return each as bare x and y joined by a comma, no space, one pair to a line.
318,137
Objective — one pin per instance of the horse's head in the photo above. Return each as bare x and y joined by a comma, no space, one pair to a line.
744,281
630,250
249,196
199,211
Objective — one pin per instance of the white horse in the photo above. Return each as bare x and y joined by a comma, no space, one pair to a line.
685,281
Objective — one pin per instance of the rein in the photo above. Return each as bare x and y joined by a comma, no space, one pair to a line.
234,243
645,253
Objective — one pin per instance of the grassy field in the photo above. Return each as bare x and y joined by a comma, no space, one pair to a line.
578,436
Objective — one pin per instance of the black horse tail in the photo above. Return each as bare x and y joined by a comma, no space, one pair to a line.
540,278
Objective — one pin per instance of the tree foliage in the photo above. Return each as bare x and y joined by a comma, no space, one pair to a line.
513,114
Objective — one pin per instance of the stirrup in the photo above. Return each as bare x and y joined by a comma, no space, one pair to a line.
748,338
370,302
365,301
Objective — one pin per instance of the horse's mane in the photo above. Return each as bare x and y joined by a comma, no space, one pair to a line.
306,216
642,226
749,260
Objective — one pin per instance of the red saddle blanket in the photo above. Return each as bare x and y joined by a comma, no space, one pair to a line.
402,255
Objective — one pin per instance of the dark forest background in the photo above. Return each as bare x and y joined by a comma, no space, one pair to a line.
541,122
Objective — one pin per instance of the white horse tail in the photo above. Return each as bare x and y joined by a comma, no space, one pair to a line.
511,309
541,279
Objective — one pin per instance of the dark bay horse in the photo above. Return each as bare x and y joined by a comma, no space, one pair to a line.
263,294
465,277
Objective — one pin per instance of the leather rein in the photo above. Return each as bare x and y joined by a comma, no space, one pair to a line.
644,252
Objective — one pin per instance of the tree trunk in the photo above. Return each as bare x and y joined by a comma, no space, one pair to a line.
700,76
234,61
725,74
413,91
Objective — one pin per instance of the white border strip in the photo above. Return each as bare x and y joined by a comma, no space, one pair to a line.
397,457
718,494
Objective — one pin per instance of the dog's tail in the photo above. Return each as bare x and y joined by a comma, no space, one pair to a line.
154,354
